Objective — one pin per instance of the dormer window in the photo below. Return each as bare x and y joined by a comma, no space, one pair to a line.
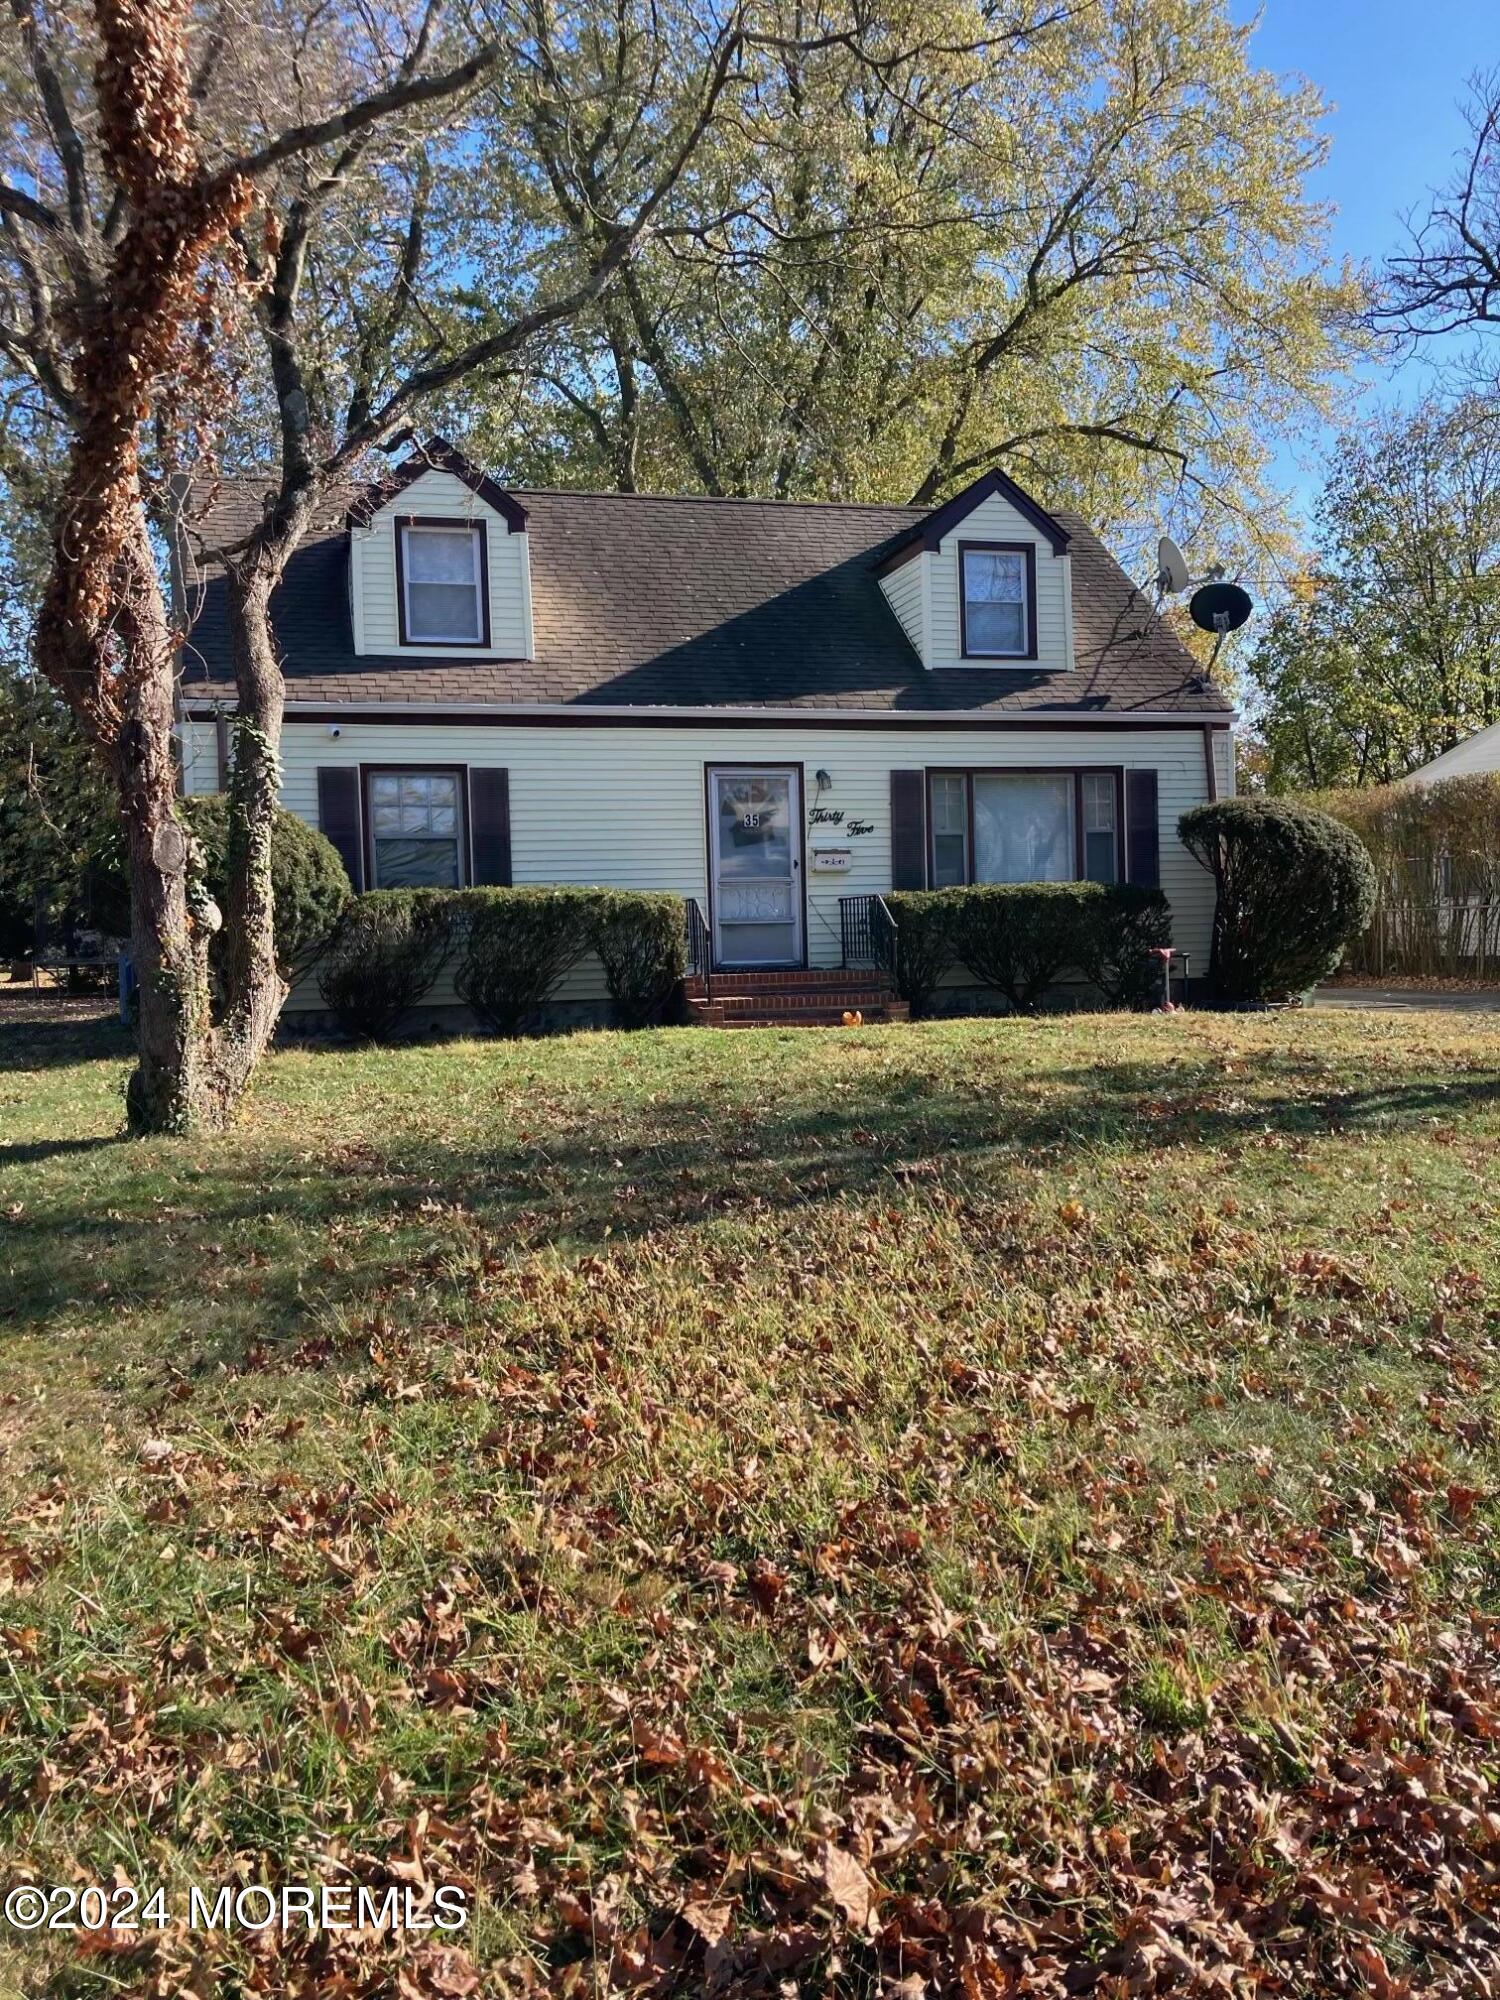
997,600
442,583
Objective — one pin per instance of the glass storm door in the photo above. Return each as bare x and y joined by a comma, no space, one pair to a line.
755,846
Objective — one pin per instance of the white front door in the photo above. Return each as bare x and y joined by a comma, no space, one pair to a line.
755,854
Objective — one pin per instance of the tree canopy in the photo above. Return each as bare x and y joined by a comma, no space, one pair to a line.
1387,652
1075,242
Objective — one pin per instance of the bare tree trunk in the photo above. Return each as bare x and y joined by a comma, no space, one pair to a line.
169,1090
254,987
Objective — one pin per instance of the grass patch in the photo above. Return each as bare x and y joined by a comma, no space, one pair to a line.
999,1507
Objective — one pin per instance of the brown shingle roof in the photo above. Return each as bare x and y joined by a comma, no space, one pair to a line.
695,603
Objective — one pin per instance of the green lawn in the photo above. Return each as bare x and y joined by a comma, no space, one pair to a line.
993,1508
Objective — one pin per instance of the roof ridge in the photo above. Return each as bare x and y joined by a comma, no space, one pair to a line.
258,476
721,500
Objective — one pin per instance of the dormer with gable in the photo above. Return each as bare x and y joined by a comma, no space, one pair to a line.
985,581
439,564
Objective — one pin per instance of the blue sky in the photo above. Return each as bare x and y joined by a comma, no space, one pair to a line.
1394,74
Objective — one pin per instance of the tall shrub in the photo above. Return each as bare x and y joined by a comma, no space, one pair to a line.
515,946
1436,852
1018,936
384,955
641,943
924,942
1293,887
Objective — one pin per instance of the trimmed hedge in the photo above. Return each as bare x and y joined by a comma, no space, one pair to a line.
308,881
1126,924
515,946
924,942
385,953
641,942
1019,936
1294,886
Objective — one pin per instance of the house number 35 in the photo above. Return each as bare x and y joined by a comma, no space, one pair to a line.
751,820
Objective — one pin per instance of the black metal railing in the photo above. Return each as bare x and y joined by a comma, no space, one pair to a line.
867,933
700,949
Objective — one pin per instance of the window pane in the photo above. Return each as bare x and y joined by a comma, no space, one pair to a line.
758,944
1023,827
414,818
442,611
994,587
950,810
755,827
416,864
949,861
1099,856
995,628
994,576
440,555
1099,802
442,583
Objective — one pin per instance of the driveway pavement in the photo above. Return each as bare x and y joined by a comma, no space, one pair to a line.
1407,1000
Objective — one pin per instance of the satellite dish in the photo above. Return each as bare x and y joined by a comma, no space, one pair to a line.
1171,568
1220,607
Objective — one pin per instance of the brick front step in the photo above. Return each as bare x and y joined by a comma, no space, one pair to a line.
769,1014
810,981
826,996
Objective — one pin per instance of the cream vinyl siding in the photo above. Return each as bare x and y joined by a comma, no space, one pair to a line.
1224,762
996,520
372,574
626,806
902,589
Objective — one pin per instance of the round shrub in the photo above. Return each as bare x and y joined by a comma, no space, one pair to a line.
308,881
1294,886
641,942
385,952
924,943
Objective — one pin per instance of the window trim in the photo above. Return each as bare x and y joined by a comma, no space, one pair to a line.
479,529
367,817
1076,772
1026,549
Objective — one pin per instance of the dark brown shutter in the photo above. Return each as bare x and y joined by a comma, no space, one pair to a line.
908,829
1142,840
338,816
489,826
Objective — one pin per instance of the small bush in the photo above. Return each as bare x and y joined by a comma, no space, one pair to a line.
1124,926
1018,936
1293,887
641,943
308,881
515,946
384,955
924,942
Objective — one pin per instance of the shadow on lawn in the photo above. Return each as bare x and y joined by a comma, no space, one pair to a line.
407,1195
31,1044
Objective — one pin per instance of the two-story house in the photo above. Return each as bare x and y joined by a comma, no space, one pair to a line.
765,706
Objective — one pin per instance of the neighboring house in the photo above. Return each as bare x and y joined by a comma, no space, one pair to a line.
1476,754
766,706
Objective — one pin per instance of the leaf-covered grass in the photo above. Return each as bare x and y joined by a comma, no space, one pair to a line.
983,1508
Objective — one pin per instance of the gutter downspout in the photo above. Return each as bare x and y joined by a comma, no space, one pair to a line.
1210,768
